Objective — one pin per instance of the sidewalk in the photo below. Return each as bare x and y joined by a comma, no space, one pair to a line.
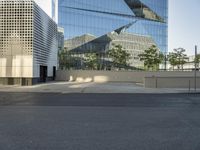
90,87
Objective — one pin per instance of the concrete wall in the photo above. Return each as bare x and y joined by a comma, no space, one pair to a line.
100,76
118,76
171,82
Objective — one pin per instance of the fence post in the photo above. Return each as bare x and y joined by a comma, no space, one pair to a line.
189,86
156,83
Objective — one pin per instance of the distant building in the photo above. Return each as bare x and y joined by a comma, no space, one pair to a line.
188,66
77,42
28,43
132,43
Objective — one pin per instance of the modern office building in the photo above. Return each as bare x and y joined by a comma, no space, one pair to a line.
92,20
28,43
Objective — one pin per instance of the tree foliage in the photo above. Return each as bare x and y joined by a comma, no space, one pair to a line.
91,60
119,56
152,58
178,57
197,59
63,60
67,60
172,58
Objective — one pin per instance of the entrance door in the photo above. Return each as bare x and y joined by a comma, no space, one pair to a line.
54,72
43,73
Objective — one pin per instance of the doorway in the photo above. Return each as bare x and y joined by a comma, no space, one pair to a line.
43,73
54,72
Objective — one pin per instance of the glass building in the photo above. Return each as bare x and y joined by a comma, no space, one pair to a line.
89,23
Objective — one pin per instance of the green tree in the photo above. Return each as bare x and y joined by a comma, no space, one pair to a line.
152,58
91,61
197,60
172,58
66,60
119,56
62,59
181,57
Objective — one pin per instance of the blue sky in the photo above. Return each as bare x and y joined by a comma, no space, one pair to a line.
184,24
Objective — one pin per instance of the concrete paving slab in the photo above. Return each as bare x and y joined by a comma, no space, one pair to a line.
90,87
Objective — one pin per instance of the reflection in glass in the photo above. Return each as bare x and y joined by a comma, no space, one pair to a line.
94,25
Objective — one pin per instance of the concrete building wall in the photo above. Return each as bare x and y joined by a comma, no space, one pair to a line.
45,43
28,39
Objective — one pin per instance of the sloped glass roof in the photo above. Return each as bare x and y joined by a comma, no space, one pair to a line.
142,10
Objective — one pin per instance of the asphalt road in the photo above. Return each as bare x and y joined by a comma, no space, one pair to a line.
45,121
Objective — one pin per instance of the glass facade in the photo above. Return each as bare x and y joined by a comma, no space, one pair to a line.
90,22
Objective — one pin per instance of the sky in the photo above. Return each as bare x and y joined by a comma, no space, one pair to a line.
184,25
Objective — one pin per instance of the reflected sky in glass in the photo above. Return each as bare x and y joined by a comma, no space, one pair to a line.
77,21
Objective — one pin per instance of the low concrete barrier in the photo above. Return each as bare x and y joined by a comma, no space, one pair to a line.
99,76
171,82
160,79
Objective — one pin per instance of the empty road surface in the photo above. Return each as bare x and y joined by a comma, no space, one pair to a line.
56,121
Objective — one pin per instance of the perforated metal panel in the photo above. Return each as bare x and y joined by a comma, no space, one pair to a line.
16,27
28,39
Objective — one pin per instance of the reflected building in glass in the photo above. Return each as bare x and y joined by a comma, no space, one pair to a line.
95,25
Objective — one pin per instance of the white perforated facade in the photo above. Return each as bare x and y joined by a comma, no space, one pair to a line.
28,40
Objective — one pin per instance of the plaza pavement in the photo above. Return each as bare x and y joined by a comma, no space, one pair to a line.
90,87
